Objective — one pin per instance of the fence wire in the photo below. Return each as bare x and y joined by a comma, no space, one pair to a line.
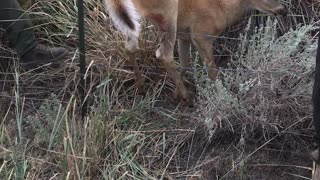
32,99
144,70
126,70
147,69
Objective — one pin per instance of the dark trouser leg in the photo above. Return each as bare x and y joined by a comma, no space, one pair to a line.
316,97
17,25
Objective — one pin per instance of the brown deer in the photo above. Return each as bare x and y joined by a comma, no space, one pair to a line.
192,19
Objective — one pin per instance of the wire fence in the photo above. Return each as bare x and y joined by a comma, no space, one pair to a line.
279,26
33,99
148,69
145,68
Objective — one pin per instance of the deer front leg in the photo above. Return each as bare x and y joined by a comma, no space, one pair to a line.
132,50
184,55
165,54
204,46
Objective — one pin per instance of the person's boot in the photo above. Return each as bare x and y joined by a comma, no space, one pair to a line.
41,55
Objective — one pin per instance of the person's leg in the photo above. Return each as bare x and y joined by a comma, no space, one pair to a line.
18,26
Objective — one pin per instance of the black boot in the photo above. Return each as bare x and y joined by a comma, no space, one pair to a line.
41,55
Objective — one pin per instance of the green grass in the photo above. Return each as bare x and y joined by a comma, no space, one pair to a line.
129,136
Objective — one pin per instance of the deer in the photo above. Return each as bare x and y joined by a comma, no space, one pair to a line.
195,22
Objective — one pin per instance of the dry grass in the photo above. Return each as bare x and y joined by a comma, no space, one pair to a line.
129,136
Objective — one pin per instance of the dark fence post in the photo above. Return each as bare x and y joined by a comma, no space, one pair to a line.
316,113
82,59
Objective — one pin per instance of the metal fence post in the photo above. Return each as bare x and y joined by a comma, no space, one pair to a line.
316,114
82,58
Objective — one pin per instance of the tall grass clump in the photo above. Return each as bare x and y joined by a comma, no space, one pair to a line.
117,140
56,24
266,89
268,86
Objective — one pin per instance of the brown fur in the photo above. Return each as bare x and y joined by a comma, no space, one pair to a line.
199,18
194,18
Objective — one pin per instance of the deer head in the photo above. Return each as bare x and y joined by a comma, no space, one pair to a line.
268,6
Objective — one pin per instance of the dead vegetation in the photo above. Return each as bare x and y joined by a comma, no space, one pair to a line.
264,119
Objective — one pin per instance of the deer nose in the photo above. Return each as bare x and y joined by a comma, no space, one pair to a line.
282,11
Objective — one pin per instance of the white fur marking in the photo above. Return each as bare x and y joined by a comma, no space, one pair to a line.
119,23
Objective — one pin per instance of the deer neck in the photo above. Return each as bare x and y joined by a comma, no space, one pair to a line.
234,10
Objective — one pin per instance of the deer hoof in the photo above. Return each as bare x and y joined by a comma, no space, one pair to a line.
183,96
315,155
